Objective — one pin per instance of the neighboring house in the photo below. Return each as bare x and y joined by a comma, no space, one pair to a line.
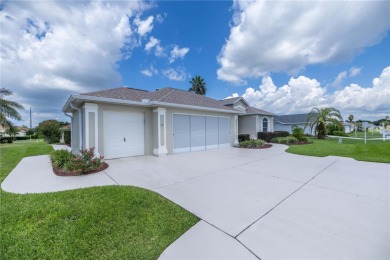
251,120
348,127
125,122
22,131
288,122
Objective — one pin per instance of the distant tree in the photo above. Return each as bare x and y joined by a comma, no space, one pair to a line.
12,131
319,118
350,118
8,109
198,85
50,130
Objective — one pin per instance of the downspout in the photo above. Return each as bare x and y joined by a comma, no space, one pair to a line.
71,125
80,126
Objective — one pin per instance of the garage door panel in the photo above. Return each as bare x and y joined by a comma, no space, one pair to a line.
198,133
211,132
123,134
224,131
181,133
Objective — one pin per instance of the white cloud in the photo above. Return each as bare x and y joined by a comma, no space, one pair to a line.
301,94
155,43
151,43
161,17
178,74
178,53
150,71
52,49
285,36
144,26
354,71
337,81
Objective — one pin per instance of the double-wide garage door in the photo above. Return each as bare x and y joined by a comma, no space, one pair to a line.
194,133
123,134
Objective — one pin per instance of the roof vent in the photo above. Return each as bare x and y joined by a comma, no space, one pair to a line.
145,101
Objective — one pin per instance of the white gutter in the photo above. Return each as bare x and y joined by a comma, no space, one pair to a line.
80,126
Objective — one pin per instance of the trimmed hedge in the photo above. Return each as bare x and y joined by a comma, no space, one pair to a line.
339,133
243,137
268,136
6,140
252,143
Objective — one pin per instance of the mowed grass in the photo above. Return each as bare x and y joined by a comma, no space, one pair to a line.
114,222
373,151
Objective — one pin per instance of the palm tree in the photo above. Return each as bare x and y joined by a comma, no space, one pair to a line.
350,118
8,109
198,85
319,118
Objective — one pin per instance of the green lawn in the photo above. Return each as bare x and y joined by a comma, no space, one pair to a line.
95,223
373,151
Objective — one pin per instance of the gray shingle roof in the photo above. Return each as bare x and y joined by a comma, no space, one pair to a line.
255,111
291,119
166,95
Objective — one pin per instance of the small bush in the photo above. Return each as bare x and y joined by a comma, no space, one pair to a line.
85,162
298,133
6,140
60,158
339,133
268,136
285,140
252,143
243,137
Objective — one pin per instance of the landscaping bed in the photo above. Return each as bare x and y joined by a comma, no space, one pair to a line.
65,163
255,144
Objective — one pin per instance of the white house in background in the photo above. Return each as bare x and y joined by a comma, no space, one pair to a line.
251,120
348,127
125,122
288,122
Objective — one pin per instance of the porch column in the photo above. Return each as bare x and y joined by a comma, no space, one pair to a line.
161,145
236,130
91,127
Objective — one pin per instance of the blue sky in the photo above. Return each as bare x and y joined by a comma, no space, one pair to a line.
282,56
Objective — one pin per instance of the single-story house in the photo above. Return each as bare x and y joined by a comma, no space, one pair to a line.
125,122
348,127
288,122
251,120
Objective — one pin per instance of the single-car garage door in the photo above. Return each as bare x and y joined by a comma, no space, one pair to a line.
195,133
123,133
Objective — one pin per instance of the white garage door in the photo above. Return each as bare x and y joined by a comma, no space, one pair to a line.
195,133
123,134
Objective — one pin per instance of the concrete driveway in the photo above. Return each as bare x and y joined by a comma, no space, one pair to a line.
263,204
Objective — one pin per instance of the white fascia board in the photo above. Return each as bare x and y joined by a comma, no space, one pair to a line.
72,98
181,106
103,100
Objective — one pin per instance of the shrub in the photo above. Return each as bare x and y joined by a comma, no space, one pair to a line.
84,162
334,128
285,140
268,136
60,158
252,143
298,133
339,133
50,130
67,137
243,137
6,140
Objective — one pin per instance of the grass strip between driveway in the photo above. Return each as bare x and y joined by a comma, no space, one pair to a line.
99,222
373,151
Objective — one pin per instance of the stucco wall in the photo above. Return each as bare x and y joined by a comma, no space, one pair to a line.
75,132
247,125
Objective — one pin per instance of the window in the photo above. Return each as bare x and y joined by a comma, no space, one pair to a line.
265,125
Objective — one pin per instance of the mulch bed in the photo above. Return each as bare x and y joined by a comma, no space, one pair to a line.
61,172
261,147
302,143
